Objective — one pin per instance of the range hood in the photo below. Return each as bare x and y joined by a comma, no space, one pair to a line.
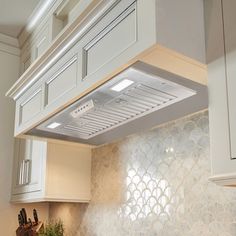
137,99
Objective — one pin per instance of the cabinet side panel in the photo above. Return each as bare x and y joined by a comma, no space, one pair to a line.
229,7
69,173
218,107
180,26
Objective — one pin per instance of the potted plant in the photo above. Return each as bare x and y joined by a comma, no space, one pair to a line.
53,228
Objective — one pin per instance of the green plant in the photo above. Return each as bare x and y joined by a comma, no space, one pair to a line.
53,228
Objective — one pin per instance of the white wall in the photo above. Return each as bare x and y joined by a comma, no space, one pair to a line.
9,70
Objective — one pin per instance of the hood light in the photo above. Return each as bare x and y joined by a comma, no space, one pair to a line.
53,125
122,85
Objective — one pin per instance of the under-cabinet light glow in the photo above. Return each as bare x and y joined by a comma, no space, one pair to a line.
122,85
53,125
169,150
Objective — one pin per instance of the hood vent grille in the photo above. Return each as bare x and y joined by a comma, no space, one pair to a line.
111,105
134,102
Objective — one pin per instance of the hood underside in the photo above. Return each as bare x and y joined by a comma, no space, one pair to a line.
137,99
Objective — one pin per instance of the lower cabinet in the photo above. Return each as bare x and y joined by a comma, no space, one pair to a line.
48,171
29,166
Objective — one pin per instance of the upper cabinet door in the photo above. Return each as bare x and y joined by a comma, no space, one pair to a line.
26,58
229,19
41,42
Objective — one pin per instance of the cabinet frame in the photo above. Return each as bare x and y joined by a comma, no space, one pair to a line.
21,186
84,35
64,173
223,163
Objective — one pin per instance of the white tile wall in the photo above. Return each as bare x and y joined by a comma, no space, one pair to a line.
154,183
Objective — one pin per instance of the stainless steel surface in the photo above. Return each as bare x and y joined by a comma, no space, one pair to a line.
105,114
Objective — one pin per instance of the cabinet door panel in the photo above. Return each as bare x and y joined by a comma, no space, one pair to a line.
114,38
29,167
229,15
22,154
37,170
31,106
26,56
62,82
42,42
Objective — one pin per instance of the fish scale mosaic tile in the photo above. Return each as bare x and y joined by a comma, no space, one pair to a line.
154,184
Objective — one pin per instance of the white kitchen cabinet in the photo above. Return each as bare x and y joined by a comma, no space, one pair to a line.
61,15
94,55
41,41
221,57
64,13
26,57
50,172
229,7
35,46
28,166
61,79
101,44
113,36
54,89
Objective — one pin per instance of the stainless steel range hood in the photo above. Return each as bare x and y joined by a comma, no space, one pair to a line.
137,99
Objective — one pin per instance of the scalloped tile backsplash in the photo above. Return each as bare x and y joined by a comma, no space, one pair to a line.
154,183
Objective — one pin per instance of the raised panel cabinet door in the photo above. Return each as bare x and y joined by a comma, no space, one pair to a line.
37,164
114,34
229,19
30,106
42,42
218,108
22,163
29,166
26,57
62,81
